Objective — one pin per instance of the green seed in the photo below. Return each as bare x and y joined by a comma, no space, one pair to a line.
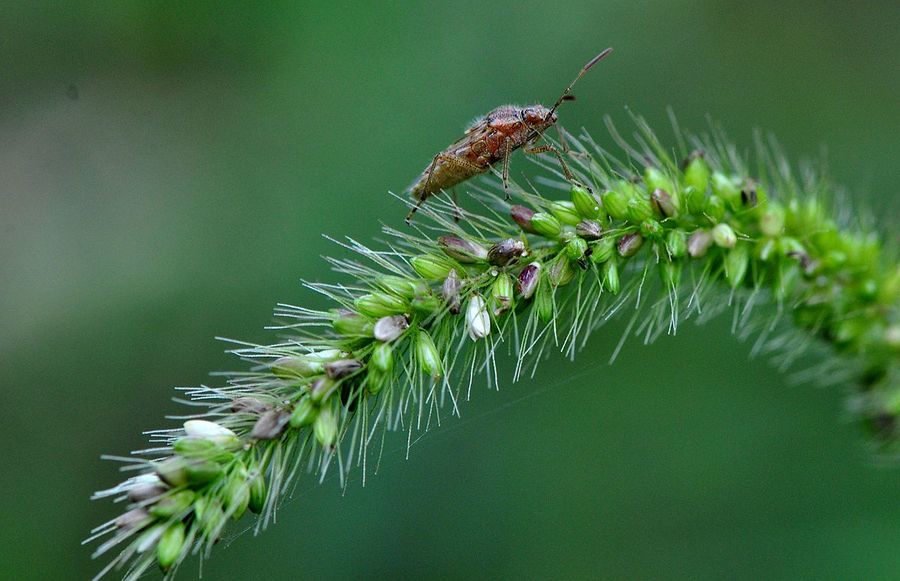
170,544
565,212
304,413
546,225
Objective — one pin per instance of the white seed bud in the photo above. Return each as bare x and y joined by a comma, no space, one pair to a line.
477,318
209,431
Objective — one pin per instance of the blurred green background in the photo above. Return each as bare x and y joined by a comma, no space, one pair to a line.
166,170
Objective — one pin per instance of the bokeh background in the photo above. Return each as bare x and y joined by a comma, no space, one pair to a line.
166,171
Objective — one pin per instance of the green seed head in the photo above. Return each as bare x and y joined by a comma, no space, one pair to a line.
771,222
616,203
543,301
236,494
724,236
714,208
258,494
463,250
610,276
325,427
565,212
697,174
727,188
199,472
502,294
651,229
170,545
431,267
639,209
676,243
587,203
589,229
173,505
575,248
427,355
378,304
351,324
736,262
603,250
657,180
546,225
304,413
383,357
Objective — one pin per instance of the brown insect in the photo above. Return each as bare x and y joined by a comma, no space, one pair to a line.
491,139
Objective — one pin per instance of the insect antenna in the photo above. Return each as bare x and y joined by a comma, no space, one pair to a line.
584,69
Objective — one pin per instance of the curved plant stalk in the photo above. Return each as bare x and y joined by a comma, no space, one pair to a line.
656,236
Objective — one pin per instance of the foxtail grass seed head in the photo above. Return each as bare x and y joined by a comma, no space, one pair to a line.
546,225
170,545
325,428
322,388
209,431
543,301
736,263
450,291
699,242
565,212
714,208
726,188
629,244
771,222
610,276
676,243
651,229
431,267
249,405
502,294
586,203
134,518
427,354
657,180
351,323
478,320
258,494
304,413
616,202
383,358
697,174
639,209
463,250
603,250
522,216
236,495
663,203
173,505
506,252
390,328
391,347
575,248
379,304
724,236
528,280
589,229
560,271
342,368
270,425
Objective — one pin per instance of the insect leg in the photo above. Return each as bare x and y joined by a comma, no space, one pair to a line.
506,149
547,147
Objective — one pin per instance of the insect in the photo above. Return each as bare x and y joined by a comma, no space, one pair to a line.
490,139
